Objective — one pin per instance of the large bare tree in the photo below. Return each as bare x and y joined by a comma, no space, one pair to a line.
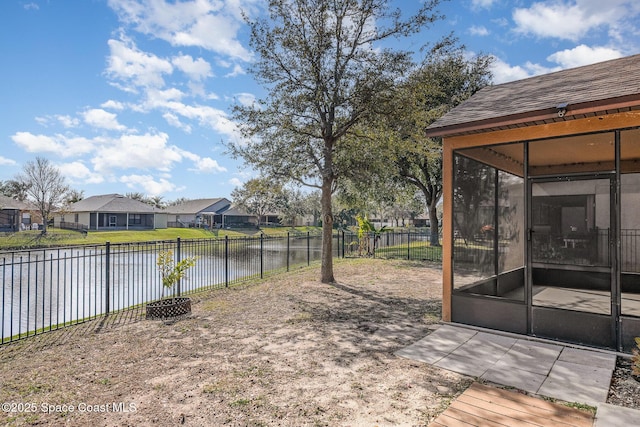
326,70
45,186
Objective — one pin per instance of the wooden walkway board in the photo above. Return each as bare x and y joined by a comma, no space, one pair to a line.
483,406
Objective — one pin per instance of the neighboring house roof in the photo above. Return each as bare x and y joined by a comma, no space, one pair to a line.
11,203
236,211
216,206
114,203
602,88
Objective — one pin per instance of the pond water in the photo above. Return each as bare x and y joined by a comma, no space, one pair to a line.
44,288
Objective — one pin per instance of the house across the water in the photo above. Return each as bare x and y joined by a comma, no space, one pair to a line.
110,212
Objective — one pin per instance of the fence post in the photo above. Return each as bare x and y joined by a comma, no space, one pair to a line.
261,255
308,249
371,242
343,244
288,247
107,277
178,259
408,245
226,261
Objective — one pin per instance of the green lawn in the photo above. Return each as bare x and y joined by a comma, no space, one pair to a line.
417,250
58,237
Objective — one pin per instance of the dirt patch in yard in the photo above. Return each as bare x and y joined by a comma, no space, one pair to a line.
287,351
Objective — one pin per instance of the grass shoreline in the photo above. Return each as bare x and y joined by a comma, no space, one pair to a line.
56,237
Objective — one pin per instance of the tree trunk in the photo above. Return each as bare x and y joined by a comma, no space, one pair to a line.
434,226
43,213
326,271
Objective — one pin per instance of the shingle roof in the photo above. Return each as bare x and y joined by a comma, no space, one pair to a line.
111,203
200,205
236,211
597,86
10,203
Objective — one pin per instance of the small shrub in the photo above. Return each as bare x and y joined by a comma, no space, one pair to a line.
170,271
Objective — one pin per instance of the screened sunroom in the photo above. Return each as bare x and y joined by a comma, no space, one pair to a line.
542,206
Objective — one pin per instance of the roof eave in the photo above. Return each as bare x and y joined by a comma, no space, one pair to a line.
549,115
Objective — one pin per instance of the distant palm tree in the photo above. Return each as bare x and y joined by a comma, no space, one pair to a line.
155,201
136,196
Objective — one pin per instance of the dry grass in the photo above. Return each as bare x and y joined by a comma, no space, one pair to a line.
287,351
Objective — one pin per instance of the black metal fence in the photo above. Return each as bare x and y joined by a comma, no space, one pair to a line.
65,225
409,245
47,289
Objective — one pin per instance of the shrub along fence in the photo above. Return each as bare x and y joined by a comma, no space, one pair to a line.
46,289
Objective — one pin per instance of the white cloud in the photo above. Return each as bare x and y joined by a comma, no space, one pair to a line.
501,22
196,69
480,31
77,145
237,70
102,119
80,173
67,121
197,89
202,164
246,99
37,143
43,121
174,121
572,19
208,165
482,4
148,151
568,58
62,145
204,115
208,24
131,68
160,98
7,162
236,182
583,55
503,72
113,105
148,184
31,6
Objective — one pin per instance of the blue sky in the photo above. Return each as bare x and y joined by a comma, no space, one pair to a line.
134,95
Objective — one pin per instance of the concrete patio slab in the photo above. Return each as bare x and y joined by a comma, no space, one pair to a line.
437,345
452,335
513,377
588,358
490,347
574,382
549,369
473,367
536,350
422,353
616,416
536,365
